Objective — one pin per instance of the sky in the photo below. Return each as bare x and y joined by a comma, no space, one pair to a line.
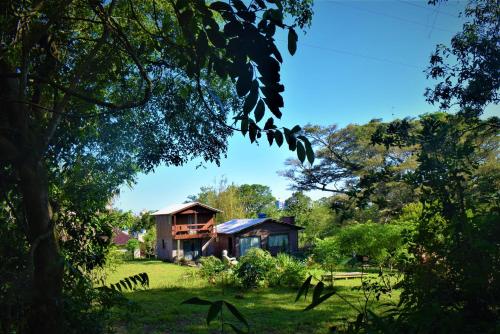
358,61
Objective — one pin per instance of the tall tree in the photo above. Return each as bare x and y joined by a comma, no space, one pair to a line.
93,92
256,198
349,164
225,197
451,282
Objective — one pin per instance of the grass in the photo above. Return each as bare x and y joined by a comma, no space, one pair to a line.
269,310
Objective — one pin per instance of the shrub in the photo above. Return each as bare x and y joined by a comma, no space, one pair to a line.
211,268
381,243
132,245
253,268
327,254
287,271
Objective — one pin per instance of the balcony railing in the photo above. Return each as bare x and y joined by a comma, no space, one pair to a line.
192,231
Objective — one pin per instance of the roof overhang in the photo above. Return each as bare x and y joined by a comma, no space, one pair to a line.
173,209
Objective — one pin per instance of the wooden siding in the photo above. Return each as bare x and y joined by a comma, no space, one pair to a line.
263,231
169,247
164,237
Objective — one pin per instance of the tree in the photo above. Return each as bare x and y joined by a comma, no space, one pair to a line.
381,243
355,170
256,198
225,198
454,242
94,92
467,71
150,242
132,246
451,280
327,253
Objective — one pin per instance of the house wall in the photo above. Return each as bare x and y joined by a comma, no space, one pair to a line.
264,231
166,245
164,237
203,216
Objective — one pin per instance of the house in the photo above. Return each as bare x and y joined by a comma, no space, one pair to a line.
188,231
237,236
120,238
185,231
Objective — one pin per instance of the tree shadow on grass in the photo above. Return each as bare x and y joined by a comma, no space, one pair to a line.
269,310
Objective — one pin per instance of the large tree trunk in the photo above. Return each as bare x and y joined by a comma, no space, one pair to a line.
46,310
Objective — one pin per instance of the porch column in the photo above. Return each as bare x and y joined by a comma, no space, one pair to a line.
178,249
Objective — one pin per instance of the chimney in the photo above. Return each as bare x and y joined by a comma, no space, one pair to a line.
288,220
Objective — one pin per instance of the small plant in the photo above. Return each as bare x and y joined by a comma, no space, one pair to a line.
211,268
131,246
253,268
287,271
132,282
327,253
216,309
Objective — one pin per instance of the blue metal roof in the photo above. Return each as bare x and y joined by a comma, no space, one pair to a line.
237,225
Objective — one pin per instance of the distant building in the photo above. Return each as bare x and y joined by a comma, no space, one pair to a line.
120,238
280,205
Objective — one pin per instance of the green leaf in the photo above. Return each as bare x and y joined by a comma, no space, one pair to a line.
309,151
197,301
270,137
202,44
319,300
318,289
216,38
292,41
236,313
295,129
304,288
244,82
273,107
252,131
221,6
259,111
244,126
301,152
129,284
269,124
279,137
290,139
214,310
251,99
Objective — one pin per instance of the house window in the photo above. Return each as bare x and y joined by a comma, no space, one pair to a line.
163,243
278,242
247,243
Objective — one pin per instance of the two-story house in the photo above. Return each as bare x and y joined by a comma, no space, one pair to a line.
188,231
185,231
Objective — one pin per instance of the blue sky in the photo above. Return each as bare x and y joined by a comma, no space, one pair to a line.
359,60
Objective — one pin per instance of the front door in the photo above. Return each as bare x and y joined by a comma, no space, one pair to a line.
192,249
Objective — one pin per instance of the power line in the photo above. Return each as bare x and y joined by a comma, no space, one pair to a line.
355,54
409,3
384,14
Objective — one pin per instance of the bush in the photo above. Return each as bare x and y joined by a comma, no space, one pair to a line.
381,243
132,245
253,268
327,254
211,268
287,271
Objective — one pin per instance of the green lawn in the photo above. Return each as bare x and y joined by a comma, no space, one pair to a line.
269,310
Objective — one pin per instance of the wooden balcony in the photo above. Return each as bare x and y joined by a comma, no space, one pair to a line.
193,231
